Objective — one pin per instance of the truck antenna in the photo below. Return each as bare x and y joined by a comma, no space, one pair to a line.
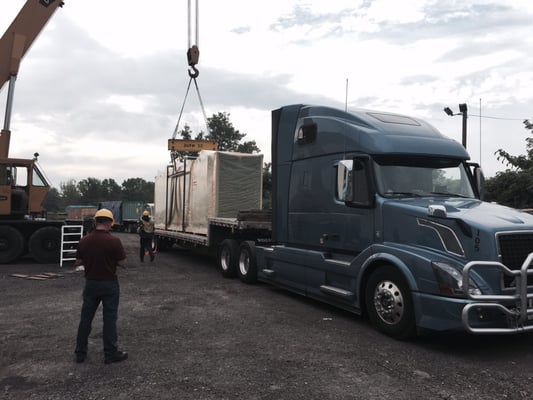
346,97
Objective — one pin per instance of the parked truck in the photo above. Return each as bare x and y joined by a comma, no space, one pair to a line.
127,214
376,213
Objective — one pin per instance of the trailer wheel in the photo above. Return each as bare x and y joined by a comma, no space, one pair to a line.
11,244
162,243
44,244
227,258
389,304
247,262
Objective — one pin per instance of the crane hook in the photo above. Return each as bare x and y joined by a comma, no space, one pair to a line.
194,73
193,54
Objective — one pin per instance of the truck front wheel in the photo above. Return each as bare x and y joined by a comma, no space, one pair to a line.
11,244
389,304
247,264
228,252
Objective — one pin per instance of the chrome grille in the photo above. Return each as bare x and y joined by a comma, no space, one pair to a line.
514,248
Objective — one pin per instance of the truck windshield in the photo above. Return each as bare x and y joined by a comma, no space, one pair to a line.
422,176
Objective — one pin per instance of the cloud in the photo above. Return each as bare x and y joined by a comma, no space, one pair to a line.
98,98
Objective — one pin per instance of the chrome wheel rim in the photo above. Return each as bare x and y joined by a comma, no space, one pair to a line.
244,263
388,302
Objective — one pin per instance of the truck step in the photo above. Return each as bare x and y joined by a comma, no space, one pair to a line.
335,291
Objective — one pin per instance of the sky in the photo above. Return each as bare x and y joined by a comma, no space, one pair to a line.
99,93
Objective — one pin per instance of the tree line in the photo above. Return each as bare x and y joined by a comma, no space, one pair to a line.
91,191
514,186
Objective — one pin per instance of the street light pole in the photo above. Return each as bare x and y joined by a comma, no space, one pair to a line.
463,110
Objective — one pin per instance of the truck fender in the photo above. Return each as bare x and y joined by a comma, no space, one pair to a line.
381,258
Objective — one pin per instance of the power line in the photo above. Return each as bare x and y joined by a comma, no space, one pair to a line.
502,118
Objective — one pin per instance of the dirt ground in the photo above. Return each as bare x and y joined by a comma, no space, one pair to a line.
191,334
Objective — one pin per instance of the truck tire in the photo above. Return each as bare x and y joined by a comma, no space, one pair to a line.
228,253
11,244
162,243
247,262
389,304
45,244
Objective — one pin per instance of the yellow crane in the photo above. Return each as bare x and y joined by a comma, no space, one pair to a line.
23,187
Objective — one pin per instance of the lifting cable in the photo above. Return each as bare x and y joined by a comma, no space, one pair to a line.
193,54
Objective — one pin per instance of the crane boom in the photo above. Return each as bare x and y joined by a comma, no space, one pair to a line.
21,33
14,44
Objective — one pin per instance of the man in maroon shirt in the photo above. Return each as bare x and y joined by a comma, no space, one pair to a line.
100,253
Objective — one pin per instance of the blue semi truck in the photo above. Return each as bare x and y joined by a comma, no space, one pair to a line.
379,214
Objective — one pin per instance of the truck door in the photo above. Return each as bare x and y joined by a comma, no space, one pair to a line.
348,230
38,189
331,217
5,189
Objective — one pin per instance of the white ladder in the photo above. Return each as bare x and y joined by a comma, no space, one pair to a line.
70,237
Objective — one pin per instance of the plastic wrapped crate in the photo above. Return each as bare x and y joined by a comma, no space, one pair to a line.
217,185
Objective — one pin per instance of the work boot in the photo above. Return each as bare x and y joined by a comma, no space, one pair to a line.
80,357
117,356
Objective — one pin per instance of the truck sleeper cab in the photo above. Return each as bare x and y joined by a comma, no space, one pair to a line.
380,214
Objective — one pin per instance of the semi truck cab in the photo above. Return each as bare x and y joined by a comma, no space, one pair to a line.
381,214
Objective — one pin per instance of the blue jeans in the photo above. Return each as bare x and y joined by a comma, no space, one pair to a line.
107,292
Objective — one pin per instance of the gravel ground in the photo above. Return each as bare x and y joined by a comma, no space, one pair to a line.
191,334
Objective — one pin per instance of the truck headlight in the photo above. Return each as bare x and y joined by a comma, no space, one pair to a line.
450,280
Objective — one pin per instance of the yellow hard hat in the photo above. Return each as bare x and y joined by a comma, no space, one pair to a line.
146,213
104,213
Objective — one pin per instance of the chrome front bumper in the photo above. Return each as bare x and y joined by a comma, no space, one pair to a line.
515,307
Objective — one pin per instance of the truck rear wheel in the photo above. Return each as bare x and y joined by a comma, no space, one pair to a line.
11,244
162,243
389,304
247,263
44,244
228,252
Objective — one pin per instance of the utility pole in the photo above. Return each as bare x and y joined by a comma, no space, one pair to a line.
463,110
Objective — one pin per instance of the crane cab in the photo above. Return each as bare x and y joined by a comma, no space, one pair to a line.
23,188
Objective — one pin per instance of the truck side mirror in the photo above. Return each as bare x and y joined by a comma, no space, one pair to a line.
480,181
353,183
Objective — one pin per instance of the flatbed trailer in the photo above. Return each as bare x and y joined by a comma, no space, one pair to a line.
224,237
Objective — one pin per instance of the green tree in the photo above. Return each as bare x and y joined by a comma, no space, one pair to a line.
514,186
111,190
138,189
91,190
222,131
70,193
53,201
511,188
186,132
